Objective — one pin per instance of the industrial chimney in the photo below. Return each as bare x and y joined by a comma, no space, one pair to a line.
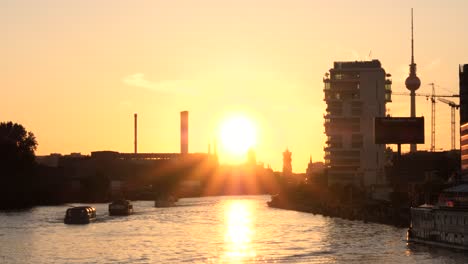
136,130
184,132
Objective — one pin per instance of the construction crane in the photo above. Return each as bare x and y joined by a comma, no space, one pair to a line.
453,107
432,96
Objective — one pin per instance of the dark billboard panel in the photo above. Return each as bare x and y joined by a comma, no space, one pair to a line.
399,130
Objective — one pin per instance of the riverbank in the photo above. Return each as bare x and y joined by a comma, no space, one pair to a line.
371,211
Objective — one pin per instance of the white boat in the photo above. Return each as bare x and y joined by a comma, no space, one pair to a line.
444,224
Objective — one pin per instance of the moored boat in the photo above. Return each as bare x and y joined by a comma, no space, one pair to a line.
444,224
121,207
80,215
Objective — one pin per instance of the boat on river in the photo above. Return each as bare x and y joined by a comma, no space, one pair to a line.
444,224
121,207
275,201
165,201
80,215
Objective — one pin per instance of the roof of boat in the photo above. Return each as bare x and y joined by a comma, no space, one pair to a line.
426,206
121,201
462,188
81,207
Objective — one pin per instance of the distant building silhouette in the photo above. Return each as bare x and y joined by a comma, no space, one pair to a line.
184,132
421,172
463,75
314,167
355,93
251,157
287,160
309,167
315,172
135,123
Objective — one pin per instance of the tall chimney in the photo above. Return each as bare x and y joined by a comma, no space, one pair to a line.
136,130
184,132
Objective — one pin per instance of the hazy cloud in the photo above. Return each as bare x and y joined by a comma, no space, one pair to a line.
166,86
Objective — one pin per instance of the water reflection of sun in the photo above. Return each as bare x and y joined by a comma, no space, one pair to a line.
238,236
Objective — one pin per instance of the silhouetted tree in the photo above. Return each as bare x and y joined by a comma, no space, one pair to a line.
17,161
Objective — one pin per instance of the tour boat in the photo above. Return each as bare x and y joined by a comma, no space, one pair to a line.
444,224
80,215
163,201
120,207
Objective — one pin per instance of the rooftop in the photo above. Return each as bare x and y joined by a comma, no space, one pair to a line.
356,64
463,68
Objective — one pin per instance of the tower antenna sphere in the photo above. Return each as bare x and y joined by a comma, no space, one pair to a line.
412,83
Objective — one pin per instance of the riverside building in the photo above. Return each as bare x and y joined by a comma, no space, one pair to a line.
355,93
463,75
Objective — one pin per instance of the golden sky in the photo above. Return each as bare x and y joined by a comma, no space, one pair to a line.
74,72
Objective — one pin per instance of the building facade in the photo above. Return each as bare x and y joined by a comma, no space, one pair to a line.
463,75
355,93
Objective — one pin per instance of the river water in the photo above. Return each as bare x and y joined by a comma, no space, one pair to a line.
226,229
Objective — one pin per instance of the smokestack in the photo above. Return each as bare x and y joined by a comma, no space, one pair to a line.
184,132
136,130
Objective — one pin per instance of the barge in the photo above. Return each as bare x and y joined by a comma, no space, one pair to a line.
444,224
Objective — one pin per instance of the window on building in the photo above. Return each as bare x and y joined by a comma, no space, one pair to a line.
388,85
356,141
388,97
356,111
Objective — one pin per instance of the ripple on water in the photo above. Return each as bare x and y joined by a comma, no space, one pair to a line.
206,230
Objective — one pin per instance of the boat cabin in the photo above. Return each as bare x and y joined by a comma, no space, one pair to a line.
80,215
120,207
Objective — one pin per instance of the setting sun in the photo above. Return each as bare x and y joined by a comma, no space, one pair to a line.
237,134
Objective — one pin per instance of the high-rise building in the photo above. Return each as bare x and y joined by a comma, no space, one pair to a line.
463,75
355,93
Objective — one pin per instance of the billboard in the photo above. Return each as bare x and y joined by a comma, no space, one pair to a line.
399,130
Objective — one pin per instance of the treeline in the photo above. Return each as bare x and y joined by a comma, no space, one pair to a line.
24,183
17,166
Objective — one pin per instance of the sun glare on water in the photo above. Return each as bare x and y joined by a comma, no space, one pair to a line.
239,232
238,134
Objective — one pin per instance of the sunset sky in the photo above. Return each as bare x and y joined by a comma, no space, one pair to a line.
74,72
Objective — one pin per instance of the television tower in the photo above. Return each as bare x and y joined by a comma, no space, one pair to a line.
412,83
